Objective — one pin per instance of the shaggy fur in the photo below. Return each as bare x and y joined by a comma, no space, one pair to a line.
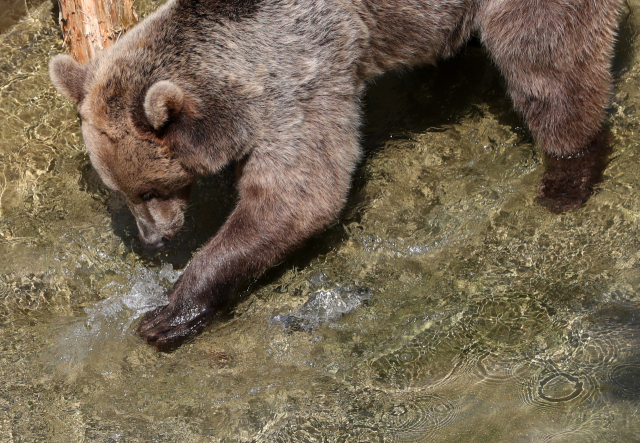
275,85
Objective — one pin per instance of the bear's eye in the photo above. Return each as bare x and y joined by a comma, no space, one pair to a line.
149,196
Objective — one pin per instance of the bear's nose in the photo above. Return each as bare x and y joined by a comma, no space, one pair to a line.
156,245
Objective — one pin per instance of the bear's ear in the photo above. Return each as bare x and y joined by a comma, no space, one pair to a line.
68,76
163,101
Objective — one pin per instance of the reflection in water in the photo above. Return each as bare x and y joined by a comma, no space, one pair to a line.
485,318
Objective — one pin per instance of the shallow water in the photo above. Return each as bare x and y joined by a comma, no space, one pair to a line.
444,305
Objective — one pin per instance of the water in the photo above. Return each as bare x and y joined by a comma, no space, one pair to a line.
444,305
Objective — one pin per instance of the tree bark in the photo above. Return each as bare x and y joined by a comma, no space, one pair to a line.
90,26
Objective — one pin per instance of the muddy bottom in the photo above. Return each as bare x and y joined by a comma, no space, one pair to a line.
444,305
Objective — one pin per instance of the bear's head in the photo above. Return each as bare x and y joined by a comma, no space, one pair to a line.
127,121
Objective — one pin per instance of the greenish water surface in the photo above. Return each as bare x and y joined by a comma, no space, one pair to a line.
472,313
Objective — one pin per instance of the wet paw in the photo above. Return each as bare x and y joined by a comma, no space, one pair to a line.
568,183
561,193
167,327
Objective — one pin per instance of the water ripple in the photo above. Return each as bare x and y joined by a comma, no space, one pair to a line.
553,389
420,417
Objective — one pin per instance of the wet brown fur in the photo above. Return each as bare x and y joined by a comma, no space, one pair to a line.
276,84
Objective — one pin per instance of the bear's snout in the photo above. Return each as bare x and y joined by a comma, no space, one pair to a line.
156,245
152,237
158,220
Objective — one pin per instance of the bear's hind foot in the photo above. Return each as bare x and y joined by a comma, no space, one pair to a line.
568,183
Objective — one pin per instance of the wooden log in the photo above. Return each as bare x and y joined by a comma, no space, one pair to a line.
90,26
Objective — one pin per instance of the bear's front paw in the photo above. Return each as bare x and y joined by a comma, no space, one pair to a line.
168,326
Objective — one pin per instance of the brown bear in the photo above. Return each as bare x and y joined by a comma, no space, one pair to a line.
275,85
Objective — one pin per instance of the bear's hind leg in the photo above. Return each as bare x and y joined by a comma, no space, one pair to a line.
556,57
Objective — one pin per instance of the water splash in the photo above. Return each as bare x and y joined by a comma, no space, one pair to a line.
322,307
110,322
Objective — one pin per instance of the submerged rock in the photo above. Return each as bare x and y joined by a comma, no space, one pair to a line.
322,307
